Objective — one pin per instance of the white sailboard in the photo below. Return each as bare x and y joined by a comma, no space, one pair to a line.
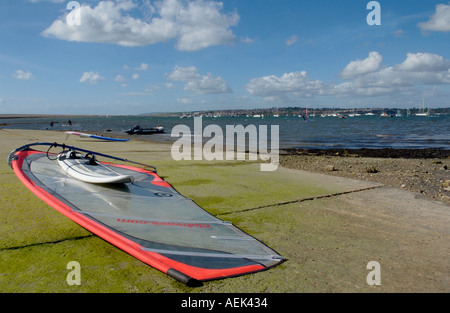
88,170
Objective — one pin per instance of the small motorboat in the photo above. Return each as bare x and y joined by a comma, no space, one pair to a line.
138,130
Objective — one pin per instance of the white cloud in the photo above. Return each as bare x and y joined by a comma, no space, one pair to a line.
119,78
440,21
197,83
360,67
424,62
91,78
201,25
184,100
364,78
135,76
152,88
398,33
142,67
296,84
381,82
194,24
418,69
291,40
247,40
22,75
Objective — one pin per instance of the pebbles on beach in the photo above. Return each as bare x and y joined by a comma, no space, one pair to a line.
429,177
447,185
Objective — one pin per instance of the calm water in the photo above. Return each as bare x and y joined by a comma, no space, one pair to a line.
320,132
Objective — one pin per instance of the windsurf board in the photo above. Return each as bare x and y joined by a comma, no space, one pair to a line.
147,218
84,135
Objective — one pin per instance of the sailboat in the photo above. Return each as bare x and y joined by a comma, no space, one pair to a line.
422,112
306,117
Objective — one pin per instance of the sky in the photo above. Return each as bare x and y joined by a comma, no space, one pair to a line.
118,57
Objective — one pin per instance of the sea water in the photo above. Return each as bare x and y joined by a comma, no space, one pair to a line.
372,132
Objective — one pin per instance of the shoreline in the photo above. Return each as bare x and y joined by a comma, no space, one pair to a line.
424,172
421,171
425,153
423,148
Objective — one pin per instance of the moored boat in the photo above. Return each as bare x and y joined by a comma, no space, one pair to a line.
138,130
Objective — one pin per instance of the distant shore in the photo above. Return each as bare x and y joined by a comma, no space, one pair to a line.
13,117
423,171
17,116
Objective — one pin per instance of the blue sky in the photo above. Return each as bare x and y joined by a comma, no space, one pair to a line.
132,57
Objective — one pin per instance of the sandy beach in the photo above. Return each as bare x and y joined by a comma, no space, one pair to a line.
329,215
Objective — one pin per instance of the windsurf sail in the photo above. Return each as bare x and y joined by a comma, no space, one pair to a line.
147,218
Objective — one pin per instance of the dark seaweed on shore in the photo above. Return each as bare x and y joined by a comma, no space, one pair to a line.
374,153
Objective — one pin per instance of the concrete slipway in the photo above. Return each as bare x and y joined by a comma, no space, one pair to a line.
328,228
